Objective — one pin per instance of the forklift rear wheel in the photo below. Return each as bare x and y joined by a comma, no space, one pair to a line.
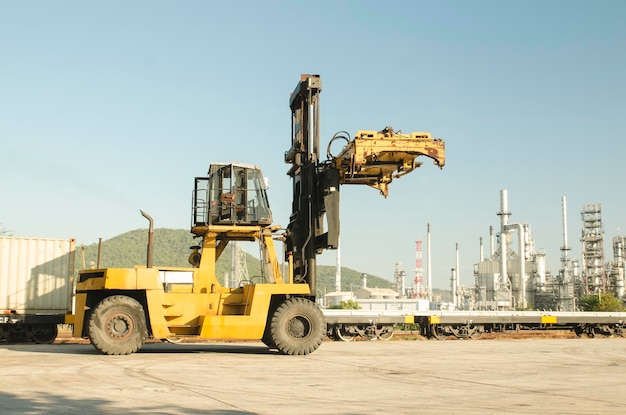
298,327
118,325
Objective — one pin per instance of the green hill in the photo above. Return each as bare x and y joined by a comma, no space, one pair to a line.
171,248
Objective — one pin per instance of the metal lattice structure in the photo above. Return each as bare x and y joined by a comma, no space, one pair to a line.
593,273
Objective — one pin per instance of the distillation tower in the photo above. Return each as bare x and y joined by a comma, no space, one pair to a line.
568,275
399,282
615,268
597,276
418,283
593,277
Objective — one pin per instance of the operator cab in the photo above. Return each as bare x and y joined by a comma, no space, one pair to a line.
233,194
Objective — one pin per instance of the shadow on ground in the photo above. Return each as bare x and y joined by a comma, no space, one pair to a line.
151,348
48,404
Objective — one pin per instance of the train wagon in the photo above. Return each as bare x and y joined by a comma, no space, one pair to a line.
36,287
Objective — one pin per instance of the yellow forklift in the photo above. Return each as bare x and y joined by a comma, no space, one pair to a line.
118,309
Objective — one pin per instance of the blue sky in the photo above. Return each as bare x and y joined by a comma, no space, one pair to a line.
111,107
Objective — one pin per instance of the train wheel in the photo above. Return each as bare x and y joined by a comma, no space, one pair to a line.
384,332
436,332
605,330
461,332
579,330
298,327
118,326
477,332
46,335
341,334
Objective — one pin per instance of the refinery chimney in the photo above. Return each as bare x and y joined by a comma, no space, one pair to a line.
504,221
338,268
457,280
481,255
565,248
453,287
429,275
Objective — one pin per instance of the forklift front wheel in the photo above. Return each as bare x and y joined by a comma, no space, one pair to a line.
298,327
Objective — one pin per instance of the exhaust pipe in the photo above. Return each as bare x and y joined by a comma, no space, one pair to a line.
99,252
150,232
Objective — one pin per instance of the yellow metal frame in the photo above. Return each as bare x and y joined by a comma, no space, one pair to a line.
375,158
203,308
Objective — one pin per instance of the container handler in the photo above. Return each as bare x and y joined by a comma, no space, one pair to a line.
118,309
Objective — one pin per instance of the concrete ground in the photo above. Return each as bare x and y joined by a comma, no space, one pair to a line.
547,376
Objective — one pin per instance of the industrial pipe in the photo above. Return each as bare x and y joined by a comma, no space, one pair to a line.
150,233
504,221
453,287
481,257
457,279
99,253
522,258
429,277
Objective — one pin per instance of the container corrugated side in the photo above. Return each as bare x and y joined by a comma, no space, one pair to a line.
36,275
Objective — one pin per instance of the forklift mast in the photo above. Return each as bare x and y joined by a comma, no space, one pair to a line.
373,158
315,185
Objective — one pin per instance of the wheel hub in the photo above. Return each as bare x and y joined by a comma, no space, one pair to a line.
120,326
299,327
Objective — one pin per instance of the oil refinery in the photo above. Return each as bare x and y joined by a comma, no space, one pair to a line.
517,279
512,288
512,275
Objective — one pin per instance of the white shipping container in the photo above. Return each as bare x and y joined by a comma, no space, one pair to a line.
36,275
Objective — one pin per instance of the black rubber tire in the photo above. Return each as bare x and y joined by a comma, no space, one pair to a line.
117,325
267,337
298,327
46,334
268,340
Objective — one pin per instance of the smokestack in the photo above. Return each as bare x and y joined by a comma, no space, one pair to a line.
458,277
481,256
453,286
338,267
504,209
504,221
429,279
564,211
565,247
